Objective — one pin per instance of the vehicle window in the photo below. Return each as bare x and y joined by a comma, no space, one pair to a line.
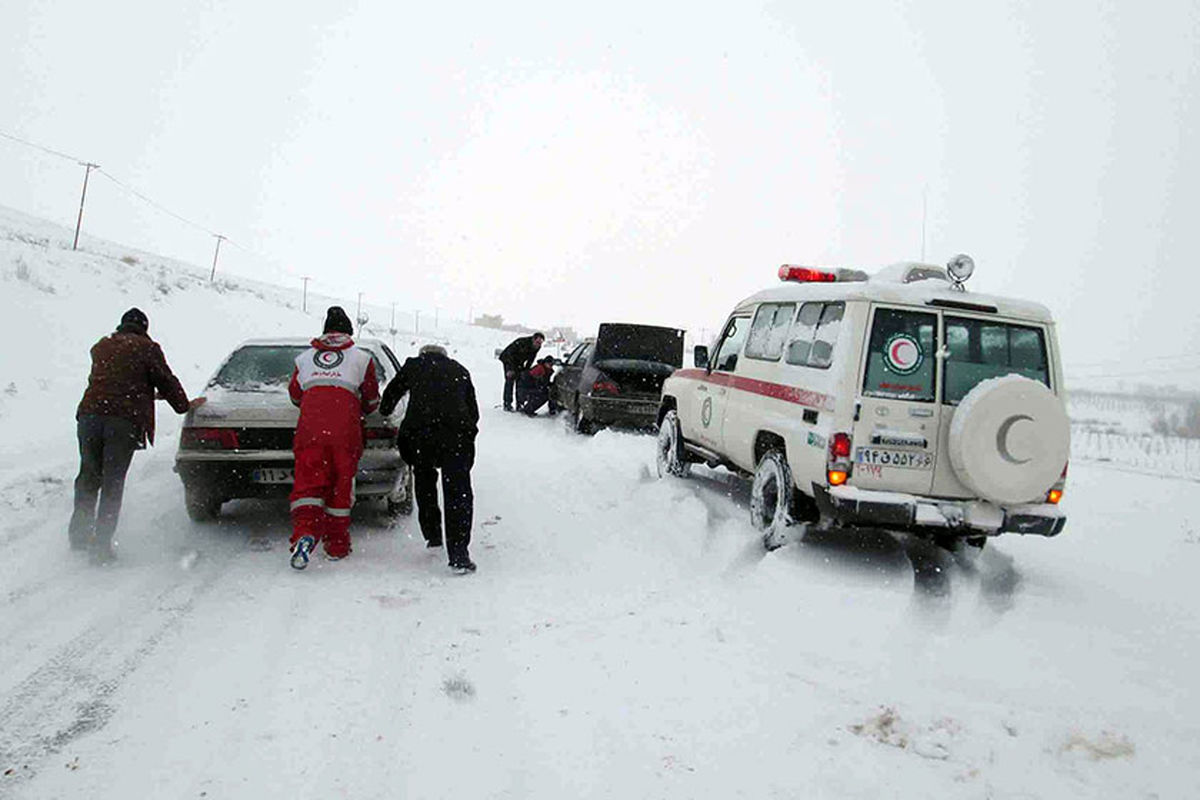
769,331
900,358
581,355
815,334
381,372
571,359
731,344
392,361
258,366
980,349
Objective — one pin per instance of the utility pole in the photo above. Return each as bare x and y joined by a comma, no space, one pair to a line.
417,322
392,329
304,301
213,275
437,312
88,167
358,313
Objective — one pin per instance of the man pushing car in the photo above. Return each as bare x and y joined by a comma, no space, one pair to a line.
335,386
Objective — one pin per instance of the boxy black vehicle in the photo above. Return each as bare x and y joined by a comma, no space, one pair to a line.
616,379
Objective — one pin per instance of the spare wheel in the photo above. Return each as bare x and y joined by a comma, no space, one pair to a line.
1010,439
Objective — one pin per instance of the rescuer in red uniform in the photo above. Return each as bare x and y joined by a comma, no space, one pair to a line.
335,386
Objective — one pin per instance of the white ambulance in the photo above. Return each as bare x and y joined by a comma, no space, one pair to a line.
895,400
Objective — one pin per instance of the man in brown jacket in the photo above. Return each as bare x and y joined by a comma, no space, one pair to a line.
116,417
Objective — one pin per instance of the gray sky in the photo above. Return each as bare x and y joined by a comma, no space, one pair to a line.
636,161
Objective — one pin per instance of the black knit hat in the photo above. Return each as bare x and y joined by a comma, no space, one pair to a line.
135,318
336,321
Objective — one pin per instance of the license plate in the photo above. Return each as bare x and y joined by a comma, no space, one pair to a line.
273,475
904,459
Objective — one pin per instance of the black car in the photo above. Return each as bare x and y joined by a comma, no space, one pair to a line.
617,378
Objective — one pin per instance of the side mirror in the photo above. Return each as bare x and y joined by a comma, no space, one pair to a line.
700,356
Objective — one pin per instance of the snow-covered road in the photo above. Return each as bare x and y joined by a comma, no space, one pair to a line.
624,637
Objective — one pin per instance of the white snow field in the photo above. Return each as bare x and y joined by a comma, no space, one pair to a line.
624,637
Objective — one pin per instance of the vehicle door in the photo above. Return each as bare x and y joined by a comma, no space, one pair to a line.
711,393
977,349
895,437
566,382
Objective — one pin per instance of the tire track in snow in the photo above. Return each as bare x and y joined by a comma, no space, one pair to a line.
68,695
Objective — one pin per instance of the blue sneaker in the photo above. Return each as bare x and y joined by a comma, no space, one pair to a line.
301,550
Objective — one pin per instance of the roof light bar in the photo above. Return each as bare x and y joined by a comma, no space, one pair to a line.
790,272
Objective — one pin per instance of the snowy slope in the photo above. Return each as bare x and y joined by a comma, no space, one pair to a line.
625,637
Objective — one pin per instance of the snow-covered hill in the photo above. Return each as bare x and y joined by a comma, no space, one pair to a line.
625,637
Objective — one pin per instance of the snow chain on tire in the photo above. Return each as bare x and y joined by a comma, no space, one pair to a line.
771,499
671,459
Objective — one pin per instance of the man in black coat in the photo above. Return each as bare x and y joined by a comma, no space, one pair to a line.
438,433
517,358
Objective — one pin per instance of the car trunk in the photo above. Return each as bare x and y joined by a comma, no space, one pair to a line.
638,358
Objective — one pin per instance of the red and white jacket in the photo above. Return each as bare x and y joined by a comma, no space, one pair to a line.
334,384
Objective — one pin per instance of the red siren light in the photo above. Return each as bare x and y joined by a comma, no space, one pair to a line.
790,272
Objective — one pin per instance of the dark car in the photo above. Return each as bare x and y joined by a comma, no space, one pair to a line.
617,378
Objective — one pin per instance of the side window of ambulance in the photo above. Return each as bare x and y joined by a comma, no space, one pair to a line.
731,344
770,331
900,358
815,334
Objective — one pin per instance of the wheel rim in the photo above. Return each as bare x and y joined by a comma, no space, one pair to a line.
764,500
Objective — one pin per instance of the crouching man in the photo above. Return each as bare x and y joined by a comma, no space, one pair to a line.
535,391
334,385
438,433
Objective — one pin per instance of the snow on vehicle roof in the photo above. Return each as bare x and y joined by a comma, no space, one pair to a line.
884,287
301,341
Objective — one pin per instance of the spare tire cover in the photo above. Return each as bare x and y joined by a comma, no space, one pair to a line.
1010,439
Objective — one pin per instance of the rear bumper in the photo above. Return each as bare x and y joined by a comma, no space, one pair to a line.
850,506
636,413
231,474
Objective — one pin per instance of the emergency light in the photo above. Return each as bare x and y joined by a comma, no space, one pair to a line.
792,272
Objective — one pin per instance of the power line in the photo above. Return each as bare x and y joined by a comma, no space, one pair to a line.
155,204
43,148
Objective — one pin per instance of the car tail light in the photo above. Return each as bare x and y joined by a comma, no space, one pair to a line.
209,439
837,476
605,386
1054,495
839,447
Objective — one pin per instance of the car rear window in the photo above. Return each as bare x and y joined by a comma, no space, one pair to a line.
640,343
900,358
271,366
980,349
258,366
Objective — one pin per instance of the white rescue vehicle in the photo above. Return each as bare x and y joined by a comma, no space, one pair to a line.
893,400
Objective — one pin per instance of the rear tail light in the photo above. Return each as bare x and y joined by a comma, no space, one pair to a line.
1056,491
605,386
839,447
381,433
209,439
1053,496
839,459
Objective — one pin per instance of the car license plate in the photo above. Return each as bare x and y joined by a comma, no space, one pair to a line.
904,459
273,475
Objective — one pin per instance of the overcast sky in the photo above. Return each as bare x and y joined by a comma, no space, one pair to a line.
635,161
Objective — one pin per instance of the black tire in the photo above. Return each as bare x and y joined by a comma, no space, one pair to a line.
202,505
771,498
580,422
671,458
403,506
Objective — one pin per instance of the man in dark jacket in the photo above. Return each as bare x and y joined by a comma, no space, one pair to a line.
438,433
536,388
517,358
116,417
